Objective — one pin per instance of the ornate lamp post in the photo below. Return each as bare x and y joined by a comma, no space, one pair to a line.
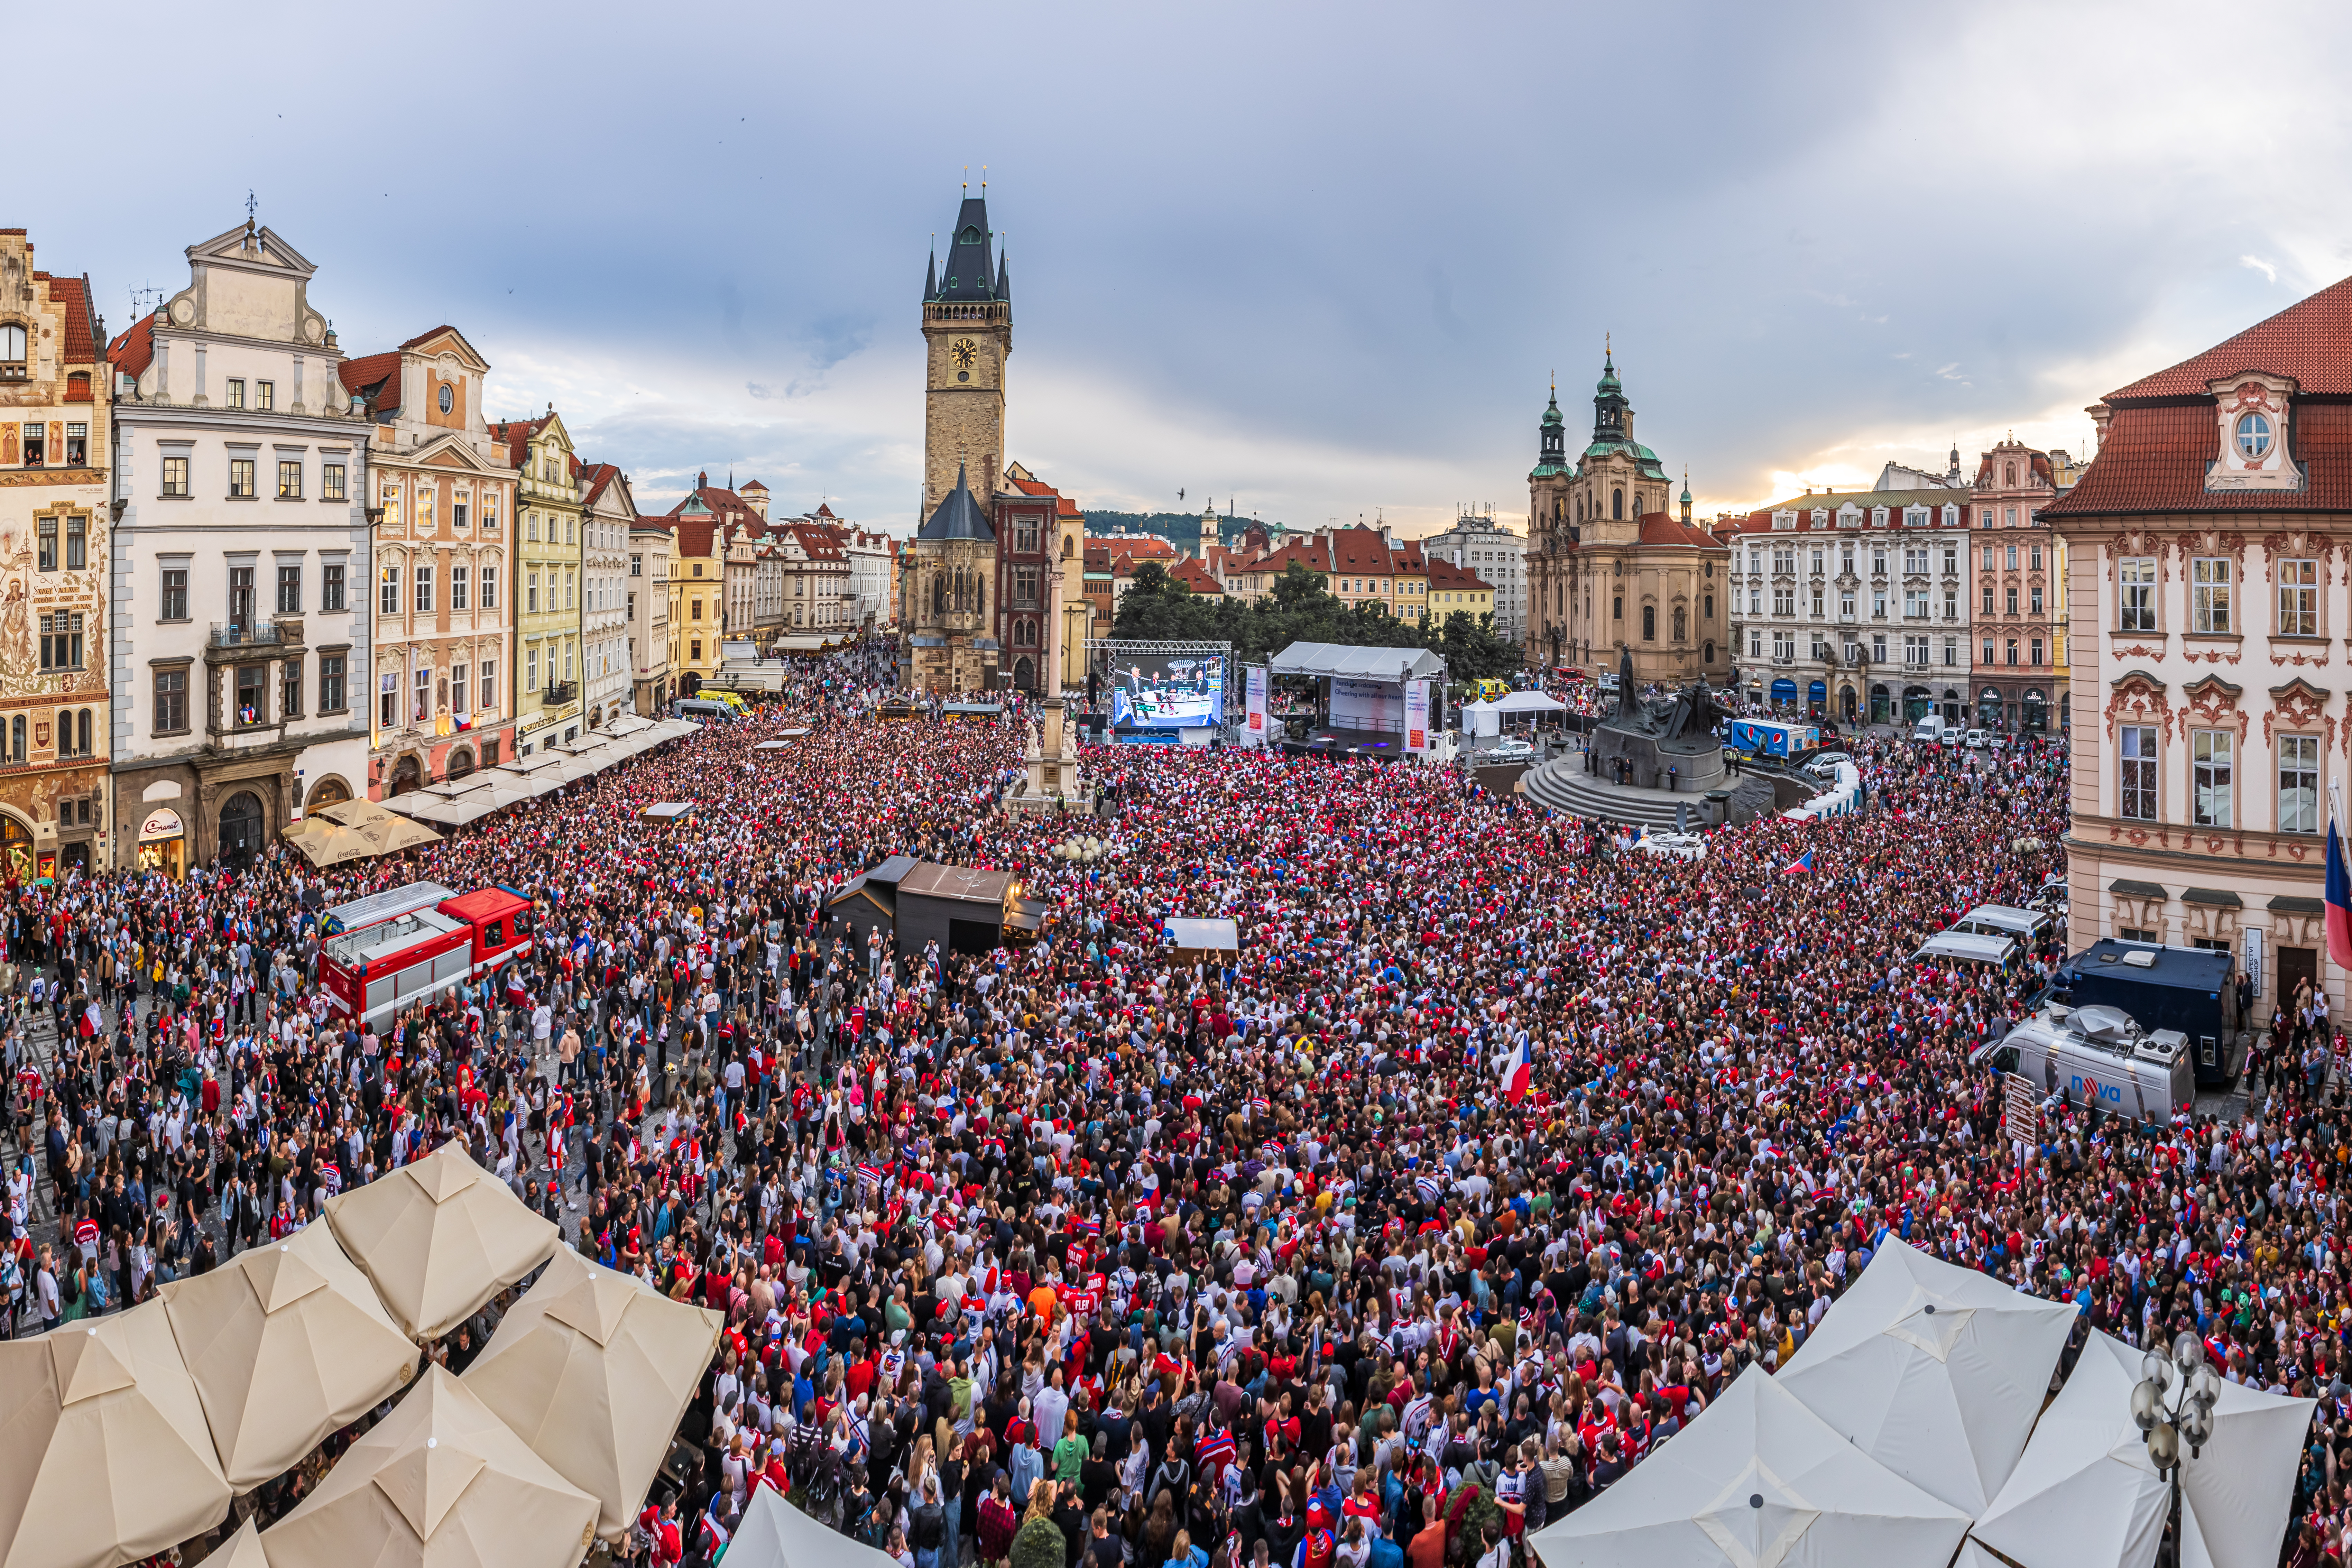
2173,1405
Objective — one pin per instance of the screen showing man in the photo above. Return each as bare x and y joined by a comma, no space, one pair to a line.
1176,692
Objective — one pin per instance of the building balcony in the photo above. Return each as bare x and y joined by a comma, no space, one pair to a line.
560,692
253,633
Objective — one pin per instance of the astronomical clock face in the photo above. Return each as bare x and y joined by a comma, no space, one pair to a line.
963,350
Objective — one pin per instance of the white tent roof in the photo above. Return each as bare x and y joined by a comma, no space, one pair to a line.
1391,664
775,1534
1757,1481
2235,1492
2085,1495
1935,1371
1528,702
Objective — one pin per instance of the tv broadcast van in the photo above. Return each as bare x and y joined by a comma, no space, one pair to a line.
1771,738
2098,1056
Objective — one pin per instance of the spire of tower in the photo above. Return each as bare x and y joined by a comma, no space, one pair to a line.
931,273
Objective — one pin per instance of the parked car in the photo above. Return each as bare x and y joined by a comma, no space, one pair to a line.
1509,749
1975,740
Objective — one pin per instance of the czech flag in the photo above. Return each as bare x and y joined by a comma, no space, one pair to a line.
1801,865
2339,900
1518,1068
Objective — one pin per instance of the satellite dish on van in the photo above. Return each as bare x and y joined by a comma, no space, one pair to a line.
2107,1025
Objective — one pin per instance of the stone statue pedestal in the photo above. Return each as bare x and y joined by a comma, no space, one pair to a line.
1697,760
1054,782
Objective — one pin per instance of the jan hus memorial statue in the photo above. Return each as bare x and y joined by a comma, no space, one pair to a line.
1662,743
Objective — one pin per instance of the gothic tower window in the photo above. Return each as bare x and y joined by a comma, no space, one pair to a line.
1617,503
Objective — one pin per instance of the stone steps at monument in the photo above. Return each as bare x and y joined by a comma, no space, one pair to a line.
1563,786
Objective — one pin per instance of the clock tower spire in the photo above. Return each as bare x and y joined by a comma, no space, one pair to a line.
968,336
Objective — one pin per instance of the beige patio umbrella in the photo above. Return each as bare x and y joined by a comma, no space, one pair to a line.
439,1481
287,1342
107,1460
593,1369
241,1549
386,830
437,1237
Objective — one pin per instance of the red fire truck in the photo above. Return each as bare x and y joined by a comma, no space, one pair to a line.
405,945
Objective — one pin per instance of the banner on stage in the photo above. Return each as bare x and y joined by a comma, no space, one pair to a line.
1416,716
1256,734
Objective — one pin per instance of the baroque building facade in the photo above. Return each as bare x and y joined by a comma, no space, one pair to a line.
550,559
435,681
2209,598
239,467
56,710
2020,565
1611,570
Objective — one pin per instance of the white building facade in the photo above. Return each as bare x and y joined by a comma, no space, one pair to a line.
240,466
645,608
1494,555
609,513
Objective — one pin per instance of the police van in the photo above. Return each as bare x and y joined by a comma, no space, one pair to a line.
2098,1055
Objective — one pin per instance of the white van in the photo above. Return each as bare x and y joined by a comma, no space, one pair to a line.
1930,728
2027,926
706,710
1999,952
2098,1055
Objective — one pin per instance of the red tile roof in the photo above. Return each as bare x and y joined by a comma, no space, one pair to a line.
435,333
363,375
135,351
594,477
1195,576
1665,528
2310,340
73,293
1444,574
1065,506
2155,456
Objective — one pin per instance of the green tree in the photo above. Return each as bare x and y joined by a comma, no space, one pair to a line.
1039,1544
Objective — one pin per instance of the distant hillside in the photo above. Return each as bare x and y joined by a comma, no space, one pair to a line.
1179,528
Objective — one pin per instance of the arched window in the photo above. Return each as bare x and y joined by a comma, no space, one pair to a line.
1617,503
1649,623
940,595
1707,656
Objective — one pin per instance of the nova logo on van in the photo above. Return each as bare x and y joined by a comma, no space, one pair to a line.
2092,1088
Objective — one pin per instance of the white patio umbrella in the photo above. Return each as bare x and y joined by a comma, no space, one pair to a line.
1757,1481
775,1534
2234,1493
1936,1372
2085,1494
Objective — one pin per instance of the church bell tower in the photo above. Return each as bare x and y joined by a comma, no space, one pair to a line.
968,336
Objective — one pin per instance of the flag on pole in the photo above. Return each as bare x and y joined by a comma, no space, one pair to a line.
1801,865
2339,900
1518,1068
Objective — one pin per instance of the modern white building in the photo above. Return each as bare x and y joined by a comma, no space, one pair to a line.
239,616
609,512
1496,556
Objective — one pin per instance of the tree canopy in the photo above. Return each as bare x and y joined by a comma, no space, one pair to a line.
1299,608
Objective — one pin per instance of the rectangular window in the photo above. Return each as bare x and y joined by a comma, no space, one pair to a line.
636,566
2009,517
1784,562
457,516
530,527
171,701
1915,560
1951,652
530,668
2299,786
2009,599
1951,604
388,701
457,586
46,559
77,544
388,597
175,476
290,689
2012,650
61,642
697,607
489,525
2209,776
240,595
1989,558
2033,558
2298,611
2035,598
569,584
235,392
252,695
330,588
2208,595
1914,603
2137,794
331,683
2135,593
289,589
421,706
1755,601
331,481
2035,646
76,445
289,478
425,590
1845,607
531,595
567,660
175,593
1784,601
1756,644
240,479
388,514
2012,558
1988,650
457,689
489,587
264,394
487,689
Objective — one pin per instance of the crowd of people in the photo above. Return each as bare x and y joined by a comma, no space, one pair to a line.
1077,1252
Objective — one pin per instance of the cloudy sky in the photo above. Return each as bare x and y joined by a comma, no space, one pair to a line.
1319,259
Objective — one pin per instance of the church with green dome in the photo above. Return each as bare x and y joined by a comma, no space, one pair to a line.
1614,566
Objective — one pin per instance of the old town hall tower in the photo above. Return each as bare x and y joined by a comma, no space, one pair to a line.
968,336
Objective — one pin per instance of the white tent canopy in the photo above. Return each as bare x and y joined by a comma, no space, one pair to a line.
775,1534
1935,1371
1528,702
2085,1495
1757,1481
1346,663
2235,1492
1486,719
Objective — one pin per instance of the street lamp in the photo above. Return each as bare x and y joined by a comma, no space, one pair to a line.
2173,1405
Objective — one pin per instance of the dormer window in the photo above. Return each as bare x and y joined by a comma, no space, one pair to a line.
447,397
2253,436
12,351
